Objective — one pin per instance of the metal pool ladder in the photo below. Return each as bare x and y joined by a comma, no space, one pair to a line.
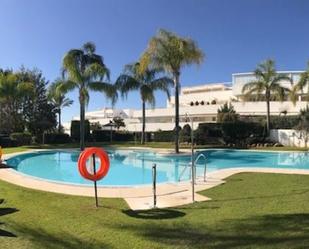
201,155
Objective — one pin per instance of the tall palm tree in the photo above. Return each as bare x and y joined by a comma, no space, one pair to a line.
146,82
85,70
266,86
58,99
171,52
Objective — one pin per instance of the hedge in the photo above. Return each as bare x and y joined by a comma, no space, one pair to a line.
6,141
283,122
185,134
75,130
164,136
57,138
276,122
241,132
104,136
21,138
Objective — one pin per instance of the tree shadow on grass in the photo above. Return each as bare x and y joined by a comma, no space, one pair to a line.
154,214
6,211
272,231
48,240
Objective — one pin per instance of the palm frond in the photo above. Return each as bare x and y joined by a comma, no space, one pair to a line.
108,89
89,47
72,64
66,102
164,84
293,94
281,77
169,51
303,81
126,83
147,95
278,91
257,86
96,71
66,87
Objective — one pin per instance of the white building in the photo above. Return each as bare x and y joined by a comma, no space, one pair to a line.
201,103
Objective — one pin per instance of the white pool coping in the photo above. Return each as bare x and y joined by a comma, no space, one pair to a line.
137,197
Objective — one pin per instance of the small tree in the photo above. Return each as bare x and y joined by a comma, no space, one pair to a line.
226,113
118,122
95,126
59,100
303,125
185,133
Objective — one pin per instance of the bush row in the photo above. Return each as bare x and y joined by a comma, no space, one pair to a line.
276,122
57,138
105,136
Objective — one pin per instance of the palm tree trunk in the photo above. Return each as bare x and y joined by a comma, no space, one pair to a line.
59,120
82,124
176,84
268,112
144,122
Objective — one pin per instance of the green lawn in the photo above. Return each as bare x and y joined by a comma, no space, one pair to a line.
249,211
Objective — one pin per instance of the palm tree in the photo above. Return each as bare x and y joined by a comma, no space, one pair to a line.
85,70
146,82
171,52
266,86
58,99
301,85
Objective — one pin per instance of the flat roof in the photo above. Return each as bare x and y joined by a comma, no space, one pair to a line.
250,73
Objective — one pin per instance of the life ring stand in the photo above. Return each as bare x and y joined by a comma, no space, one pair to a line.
104,163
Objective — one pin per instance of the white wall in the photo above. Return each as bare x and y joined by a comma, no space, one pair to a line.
240,79
220,96
287,137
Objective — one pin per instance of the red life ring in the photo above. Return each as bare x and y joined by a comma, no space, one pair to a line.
104,164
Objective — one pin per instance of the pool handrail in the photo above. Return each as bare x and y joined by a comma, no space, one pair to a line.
201,155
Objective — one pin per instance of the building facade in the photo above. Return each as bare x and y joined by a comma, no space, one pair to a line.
201,103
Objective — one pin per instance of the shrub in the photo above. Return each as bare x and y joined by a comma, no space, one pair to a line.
241,132
185,134
276,122
104,136
75,130
123,136
21,138
57,138
206,131
164,136
101,135
226,113
6,141
283,122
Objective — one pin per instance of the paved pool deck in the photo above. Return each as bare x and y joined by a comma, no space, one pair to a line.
138,197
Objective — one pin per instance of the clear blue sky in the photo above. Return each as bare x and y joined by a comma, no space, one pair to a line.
235,35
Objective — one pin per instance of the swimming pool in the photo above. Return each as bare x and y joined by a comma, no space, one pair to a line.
129,167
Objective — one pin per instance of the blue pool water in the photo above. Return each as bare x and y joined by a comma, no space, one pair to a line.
134,167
